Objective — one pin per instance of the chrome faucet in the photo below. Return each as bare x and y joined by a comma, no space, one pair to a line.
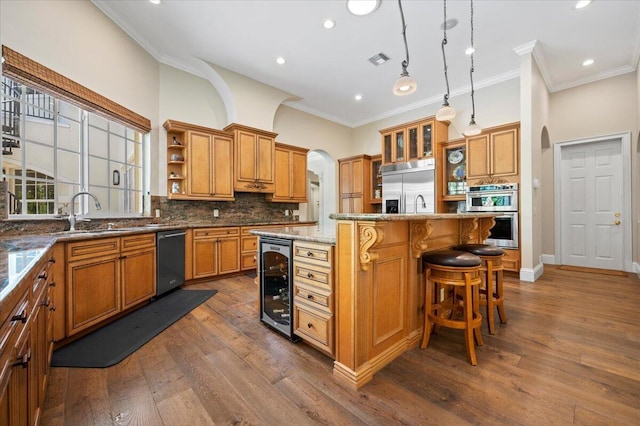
424,203
72,213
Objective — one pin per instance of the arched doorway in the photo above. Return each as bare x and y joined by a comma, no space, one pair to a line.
321,180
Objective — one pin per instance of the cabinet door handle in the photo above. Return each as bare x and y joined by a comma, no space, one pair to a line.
309,275
309,325
52,308
309,254
52,284
52,260
46,303
43,276
309,296
22,317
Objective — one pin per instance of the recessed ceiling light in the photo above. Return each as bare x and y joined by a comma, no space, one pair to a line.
582,4
280,60
358,97
154,1
469,51
329,23
362,7
587,62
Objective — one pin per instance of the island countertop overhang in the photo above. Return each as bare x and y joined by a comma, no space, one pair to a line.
384,217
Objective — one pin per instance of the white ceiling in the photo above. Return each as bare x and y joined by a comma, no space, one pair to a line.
326,68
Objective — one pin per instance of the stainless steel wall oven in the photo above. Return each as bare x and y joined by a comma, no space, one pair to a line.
501,198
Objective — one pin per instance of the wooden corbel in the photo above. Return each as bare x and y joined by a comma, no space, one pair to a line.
486,224
467,229
420,232
370,237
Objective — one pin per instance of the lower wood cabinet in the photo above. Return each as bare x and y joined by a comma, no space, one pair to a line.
511,260
26,340
106,276
313,314
216,251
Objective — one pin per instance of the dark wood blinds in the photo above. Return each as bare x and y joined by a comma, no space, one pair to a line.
27,71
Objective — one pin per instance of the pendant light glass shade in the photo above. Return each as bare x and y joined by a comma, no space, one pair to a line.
405,85
472,129
446,113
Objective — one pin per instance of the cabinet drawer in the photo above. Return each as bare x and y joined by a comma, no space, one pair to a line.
249,243
133,242
317,254
248,261
322,300
315,327
215,232
94,248
311,274
15,323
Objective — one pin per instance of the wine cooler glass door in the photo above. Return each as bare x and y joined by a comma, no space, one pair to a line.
276,287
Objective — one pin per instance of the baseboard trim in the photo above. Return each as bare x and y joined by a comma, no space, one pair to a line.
531,275
549,259
636,268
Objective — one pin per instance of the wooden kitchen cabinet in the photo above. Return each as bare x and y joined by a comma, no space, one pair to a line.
199,162
107,276
493,154
355,184
313,315
253,152
25,349
413,141
138,269
216,251
290,183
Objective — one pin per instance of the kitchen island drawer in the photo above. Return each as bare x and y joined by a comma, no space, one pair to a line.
314,296
315,327
311,274
216,232
314,253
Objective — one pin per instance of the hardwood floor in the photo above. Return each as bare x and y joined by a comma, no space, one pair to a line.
570,354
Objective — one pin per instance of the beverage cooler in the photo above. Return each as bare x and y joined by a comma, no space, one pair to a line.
276,285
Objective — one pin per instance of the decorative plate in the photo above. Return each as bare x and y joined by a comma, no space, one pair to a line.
459,172
455,156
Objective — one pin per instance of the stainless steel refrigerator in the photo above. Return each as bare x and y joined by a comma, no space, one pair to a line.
409,187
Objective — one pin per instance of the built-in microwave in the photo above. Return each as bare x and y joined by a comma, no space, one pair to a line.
493,198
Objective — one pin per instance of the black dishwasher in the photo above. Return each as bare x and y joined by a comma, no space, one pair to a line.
169,260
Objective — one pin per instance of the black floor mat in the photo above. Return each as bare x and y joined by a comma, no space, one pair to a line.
114,342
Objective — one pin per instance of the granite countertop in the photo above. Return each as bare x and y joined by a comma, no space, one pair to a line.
381,217
318,234
18,255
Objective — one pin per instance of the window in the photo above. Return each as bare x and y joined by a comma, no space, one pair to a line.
51,149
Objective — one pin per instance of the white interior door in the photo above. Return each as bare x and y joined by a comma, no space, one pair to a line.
592,205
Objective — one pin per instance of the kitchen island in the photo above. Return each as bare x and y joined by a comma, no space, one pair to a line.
379,287
376,300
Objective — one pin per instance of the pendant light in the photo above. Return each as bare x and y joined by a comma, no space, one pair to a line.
406,84
446,113
473,129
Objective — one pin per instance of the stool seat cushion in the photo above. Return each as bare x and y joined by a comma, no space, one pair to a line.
480,249
451,258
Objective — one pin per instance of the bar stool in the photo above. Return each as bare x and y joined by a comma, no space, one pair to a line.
493,289
452,286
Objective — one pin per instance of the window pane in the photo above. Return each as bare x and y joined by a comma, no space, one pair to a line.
97,121
40,158
39,131
72,112
69,136
102,194
99,172
98,142
116,129
133,153
68,167
116,149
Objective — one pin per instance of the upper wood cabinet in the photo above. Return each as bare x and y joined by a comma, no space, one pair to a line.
254,152
493,153
290,183
199,162
412,141
355,184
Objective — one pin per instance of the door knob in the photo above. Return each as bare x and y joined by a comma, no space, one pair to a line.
617,222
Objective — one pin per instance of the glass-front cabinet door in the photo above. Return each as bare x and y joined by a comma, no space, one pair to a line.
387,148
412,136
426,139
398,146
455,160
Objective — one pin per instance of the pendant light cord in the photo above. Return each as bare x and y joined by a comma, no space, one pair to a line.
473,103
405,63
444,57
